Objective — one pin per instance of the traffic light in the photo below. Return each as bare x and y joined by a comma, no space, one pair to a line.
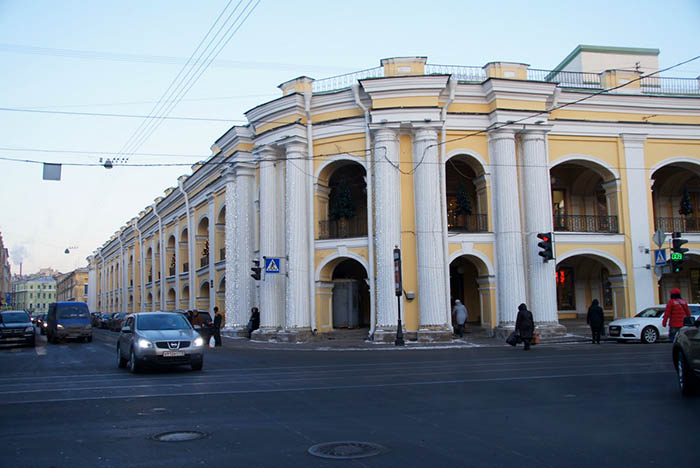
677,252
256,270
546,245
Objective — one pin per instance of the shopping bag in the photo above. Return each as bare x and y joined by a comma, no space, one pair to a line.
513,338
212,342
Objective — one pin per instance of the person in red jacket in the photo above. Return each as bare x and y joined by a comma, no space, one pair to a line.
676,309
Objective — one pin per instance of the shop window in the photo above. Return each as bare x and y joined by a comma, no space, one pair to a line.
566,297
695,285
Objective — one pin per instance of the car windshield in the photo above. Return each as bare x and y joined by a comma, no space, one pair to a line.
72,311
694,310
14,317
651,313
162,322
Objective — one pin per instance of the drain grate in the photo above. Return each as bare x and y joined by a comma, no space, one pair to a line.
346,450
179,436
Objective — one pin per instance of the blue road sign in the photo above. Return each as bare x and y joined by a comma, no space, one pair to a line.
660,257
272,265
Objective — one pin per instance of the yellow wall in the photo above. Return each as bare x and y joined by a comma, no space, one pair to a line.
409,257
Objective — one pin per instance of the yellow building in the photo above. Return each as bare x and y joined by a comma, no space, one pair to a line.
460,167
72,286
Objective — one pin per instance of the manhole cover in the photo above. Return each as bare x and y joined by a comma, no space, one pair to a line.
347,450
179,436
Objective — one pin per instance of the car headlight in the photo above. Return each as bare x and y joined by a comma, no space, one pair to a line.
29,329
632,325
43,324
199,341
59,326
144,343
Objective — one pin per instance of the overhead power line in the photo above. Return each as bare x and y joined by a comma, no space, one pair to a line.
105,114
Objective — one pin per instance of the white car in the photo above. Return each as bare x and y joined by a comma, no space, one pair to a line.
645,326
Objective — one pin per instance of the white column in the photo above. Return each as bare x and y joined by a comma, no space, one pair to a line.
640,226
509,246
212,252
244,233
297,298
92,286
428,211
537,208
271,231
233,267
387,197
191,251
152,274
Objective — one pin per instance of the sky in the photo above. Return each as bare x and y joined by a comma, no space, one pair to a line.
120,57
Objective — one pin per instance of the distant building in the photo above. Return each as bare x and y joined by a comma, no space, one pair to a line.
33,294
461,167
72,286
5,277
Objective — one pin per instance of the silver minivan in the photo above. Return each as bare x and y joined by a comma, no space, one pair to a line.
159,339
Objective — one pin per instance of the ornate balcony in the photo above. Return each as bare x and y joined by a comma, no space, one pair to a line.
678,224
586,223
467,223
171,271
204,261
342,228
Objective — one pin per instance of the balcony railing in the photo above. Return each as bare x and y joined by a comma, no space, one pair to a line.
566,79
222,254
680,224
186,267
467,223
204,261
661,85
346,80
342,228
586,223
171,271
461,73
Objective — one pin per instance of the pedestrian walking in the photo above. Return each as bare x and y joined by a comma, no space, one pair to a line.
218,318
596,319
254,322
676,309
459,312
525,325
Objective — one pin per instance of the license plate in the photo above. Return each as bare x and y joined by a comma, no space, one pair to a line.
173,353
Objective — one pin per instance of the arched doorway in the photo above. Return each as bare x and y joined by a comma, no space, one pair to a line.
471,283
203,296
466,192
351,307
342,196
580,278
170,301
202,243
185,297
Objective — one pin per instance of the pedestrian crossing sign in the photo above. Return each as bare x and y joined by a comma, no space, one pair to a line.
660,257
272,265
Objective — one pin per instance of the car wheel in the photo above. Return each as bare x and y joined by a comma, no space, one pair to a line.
686,382
649,335
121,362
133,365
198,366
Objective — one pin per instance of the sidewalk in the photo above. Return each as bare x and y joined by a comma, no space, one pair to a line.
355,340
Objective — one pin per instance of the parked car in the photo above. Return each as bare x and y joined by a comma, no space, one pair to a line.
68,320
159,339
686,356
104,320
646,326
115,324
16,327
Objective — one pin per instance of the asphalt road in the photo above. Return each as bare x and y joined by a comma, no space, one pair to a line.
578,405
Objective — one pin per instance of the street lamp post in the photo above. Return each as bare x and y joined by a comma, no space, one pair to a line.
398,288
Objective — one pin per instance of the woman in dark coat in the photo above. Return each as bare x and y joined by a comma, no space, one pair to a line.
525,325
595,319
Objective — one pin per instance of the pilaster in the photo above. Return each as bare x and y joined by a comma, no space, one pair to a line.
211,205
640,226
243,234
232,275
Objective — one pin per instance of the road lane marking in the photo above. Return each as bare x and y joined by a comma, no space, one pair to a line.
332,387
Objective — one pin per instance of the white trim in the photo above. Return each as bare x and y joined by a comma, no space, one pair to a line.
673,160
597,253
339,254
584,157
336,158
588,238
470,153
473,253
333,244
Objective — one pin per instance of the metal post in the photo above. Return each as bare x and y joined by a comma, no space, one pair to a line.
398,288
